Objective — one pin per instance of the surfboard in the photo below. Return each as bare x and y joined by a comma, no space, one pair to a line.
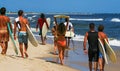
61,16
102,50
44,28
110,52
31,37
12,38
69,34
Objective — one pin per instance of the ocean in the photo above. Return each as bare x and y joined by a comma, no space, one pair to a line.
80,22
76,58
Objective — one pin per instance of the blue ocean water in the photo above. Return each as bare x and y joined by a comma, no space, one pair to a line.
77,59
80,22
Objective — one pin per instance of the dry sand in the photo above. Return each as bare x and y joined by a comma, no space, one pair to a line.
34,62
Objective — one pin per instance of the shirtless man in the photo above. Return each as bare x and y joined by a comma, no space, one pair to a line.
4,33
102,36
21,22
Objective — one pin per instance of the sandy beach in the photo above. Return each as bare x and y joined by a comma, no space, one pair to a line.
13,62
41,59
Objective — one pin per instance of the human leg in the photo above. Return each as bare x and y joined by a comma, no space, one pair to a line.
3,48
61,55
90,65
6,46
25,49
21,49
95,66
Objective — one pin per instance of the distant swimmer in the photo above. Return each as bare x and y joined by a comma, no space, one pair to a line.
4,33
20,23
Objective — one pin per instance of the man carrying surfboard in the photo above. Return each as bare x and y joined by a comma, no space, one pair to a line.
93,50
41,21
4,33
21,22
69,28
102,36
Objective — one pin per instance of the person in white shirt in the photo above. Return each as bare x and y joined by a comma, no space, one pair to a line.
69,28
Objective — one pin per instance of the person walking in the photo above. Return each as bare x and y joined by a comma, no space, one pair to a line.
93,51
4,33
41,21
102,36
20,23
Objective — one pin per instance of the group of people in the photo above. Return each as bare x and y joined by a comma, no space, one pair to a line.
60,41
93,52
20,22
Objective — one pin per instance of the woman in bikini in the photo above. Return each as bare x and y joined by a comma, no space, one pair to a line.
61,41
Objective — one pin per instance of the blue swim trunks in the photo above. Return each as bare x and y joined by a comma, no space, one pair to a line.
22,37
100,55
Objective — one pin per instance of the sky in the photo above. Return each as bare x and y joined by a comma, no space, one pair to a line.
63,6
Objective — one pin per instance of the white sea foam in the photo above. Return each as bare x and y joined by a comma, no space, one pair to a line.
113,42
95,19
115,20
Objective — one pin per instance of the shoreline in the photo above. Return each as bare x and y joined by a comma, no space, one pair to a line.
33,63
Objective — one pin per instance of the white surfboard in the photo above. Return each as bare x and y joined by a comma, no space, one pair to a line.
44,28
110,52
31,37
102,50
69,34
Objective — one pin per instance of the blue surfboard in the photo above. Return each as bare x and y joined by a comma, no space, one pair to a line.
12,38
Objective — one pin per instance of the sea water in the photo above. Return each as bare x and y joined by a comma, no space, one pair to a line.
81,22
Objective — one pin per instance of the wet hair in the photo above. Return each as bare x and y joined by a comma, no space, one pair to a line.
3,11
91,25
61,28
42,15
100,28
20,12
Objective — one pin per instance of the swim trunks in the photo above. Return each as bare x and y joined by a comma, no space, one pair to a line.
22,37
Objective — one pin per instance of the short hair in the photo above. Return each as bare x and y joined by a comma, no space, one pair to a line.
3,11
91,25
101,28
20,12
42,15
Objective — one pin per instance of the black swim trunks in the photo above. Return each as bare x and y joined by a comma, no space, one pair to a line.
93,50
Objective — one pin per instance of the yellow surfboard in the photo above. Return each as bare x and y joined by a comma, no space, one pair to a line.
110,52
102,50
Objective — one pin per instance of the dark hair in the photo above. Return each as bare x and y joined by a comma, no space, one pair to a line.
3,11
66,19
91,25
20,12
101,28
61,28
42,15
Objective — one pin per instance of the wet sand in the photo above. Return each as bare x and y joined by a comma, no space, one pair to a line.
13,62
77,59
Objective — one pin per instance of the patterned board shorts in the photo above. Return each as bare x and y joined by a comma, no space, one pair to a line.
22,37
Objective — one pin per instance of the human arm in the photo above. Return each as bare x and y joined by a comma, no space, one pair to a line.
37,26
14,33
85,43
